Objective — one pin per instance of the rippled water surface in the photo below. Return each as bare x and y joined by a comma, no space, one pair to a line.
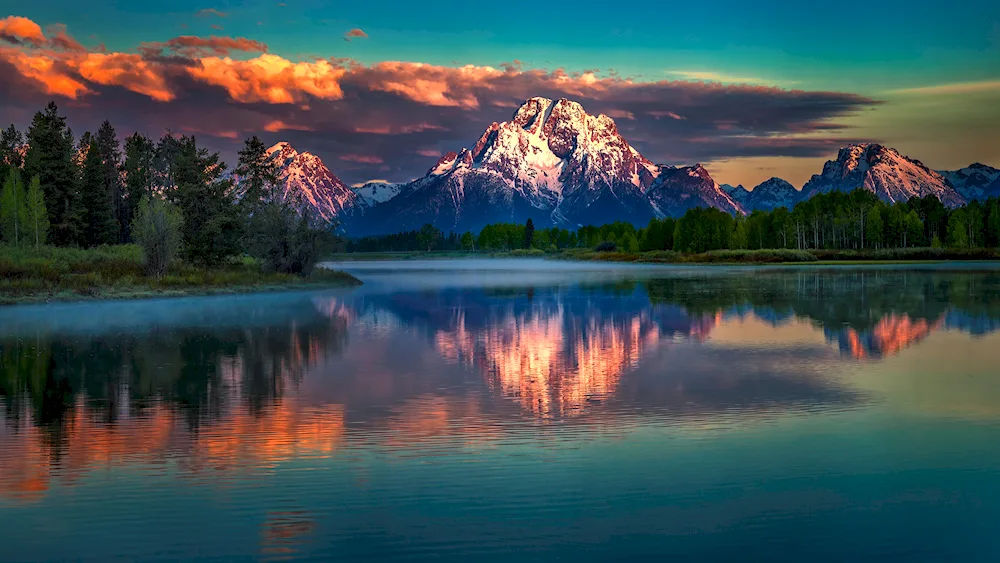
513,410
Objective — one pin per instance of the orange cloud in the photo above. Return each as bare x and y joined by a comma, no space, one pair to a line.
362,159
52,77
192,46
62,40
430,84
270,78
127,70
356,33
17,29
279,125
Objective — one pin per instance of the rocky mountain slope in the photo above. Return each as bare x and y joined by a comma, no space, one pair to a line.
973,181
882,170
307,179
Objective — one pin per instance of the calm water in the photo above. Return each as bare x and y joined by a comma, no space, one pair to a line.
513,410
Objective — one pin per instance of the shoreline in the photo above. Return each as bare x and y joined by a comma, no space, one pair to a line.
335,279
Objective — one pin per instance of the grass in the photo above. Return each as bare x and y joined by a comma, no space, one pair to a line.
775,256
66,274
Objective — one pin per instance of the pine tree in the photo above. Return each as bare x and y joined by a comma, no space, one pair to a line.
50,157
12,209
140,157
258,175
98,213
529,233
111,168
11,143
36,217
212,223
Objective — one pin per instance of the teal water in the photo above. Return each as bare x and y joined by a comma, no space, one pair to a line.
513,410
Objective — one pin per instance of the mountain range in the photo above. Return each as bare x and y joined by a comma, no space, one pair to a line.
558,165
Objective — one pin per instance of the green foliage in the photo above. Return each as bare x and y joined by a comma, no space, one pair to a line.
50,157
429,236
156,228
282,241
701,230
213,223
13,209
529,233
36,216
99,225
140,159
258,176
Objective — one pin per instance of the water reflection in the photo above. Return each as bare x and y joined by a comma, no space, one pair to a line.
235,392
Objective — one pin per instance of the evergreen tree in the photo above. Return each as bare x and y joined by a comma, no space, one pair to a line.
111,177
529,233
50,157
36,216
99,226
11,143
212,225
12,209
140,157
258,175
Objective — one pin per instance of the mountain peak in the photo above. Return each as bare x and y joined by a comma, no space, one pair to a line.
883,171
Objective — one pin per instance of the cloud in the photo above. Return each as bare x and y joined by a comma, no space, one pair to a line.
363,159
192,46
356,33
271,79
955,88
126,70
279,125
19,30
210,12
61,40
217,27
384,119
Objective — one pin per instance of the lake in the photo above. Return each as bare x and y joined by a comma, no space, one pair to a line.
477,410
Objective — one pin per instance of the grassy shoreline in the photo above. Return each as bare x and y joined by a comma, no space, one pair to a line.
66,274
760,257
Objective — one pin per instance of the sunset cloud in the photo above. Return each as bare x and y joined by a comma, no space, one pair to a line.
18,30
356,33
388,118
271,79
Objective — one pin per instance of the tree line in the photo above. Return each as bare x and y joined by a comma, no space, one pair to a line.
856,220
170,196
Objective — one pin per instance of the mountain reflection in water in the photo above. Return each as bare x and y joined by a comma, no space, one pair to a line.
217,391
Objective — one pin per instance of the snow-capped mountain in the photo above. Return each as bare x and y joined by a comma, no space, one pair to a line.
772,194
738,193
306,178
973,180
675,190
554,163
373,193
882,170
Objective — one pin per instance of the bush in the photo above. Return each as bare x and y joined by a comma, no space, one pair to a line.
606,246
527,252
282,241
765,256
157,230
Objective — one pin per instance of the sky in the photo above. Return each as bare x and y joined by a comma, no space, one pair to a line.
380,90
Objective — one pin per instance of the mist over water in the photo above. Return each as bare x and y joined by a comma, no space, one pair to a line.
513,409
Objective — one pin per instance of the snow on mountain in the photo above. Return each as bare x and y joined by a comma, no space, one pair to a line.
675,190
973,180
372,193
772,194
882,170
552,162
305,177
739,194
